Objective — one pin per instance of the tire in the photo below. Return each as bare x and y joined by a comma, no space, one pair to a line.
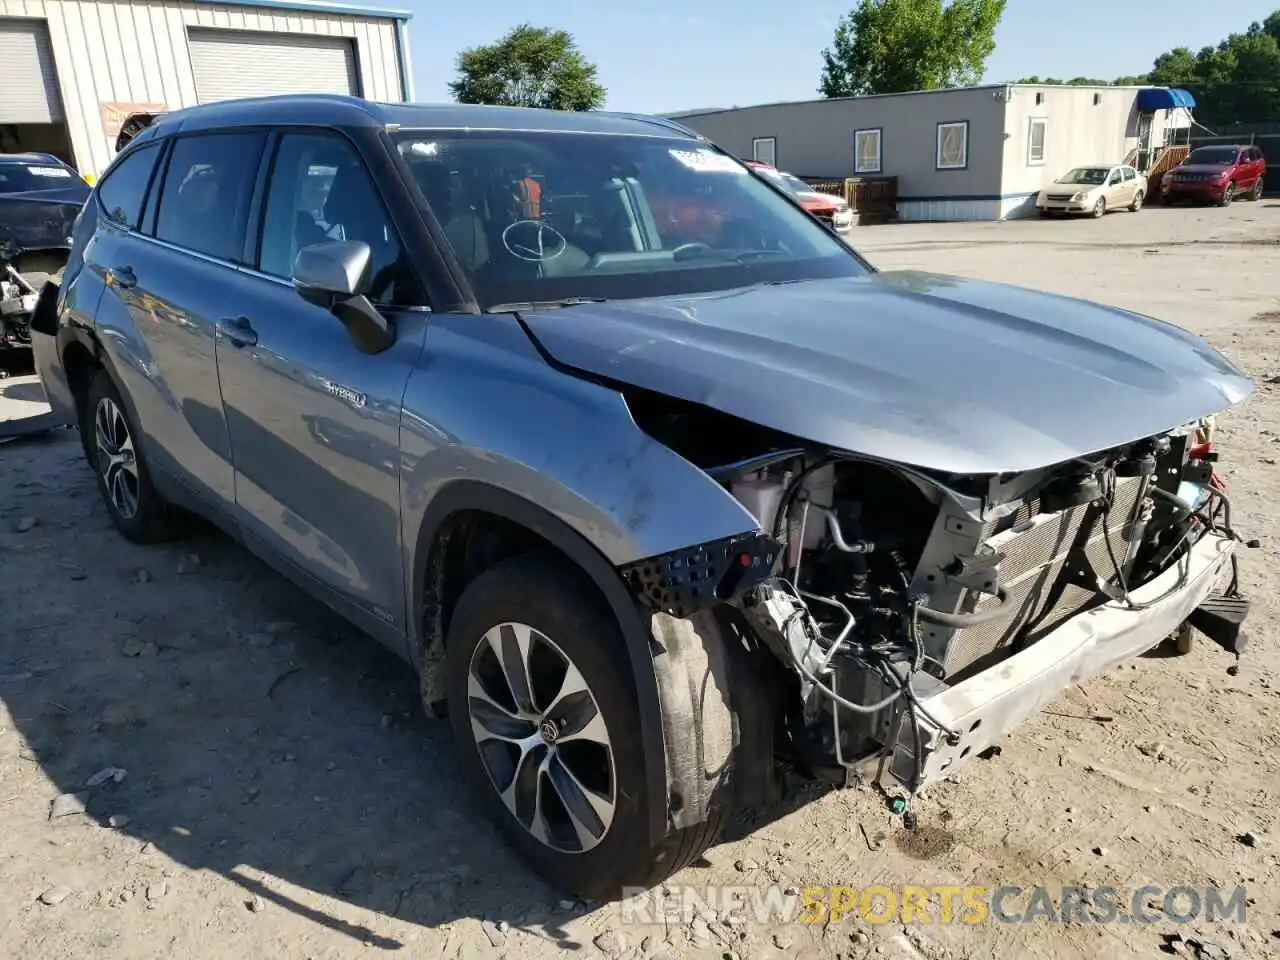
1100,208
542,604
105,425
1256,193
1138,199
1228,194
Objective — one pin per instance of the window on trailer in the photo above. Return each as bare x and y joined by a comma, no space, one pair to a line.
765,150
953,145
1036,140
866,151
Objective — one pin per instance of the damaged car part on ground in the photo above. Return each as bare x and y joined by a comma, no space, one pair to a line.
653,480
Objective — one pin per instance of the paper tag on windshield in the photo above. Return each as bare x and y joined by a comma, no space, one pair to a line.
708,161
56,173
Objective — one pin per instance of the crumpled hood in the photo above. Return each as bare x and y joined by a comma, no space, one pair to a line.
933,371
38,221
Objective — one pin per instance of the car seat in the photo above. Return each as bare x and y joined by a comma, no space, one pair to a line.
353,205
463,228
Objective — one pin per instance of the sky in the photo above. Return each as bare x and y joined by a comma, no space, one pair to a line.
664,56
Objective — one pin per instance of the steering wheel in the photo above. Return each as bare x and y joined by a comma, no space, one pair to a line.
533,241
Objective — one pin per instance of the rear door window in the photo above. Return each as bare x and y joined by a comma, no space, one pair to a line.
122,191
204,203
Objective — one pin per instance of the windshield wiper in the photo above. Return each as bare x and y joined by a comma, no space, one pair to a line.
543,304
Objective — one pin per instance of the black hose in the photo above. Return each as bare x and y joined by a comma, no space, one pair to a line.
962,621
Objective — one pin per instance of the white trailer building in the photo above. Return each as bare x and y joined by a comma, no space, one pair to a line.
72,70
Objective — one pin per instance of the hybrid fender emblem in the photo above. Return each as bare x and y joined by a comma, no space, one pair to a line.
353,397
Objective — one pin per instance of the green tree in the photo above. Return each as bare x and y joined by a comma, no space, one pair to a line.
529,67
1237,81
891,46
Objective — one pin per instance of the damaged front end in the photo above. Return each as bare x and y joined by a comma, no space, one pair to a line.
35,244
921,615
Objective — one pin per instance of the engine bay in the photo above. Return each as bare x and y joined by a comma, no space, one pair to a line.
879,585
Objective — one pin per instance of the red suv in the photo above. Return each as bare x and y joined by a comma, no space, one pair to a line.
1219,174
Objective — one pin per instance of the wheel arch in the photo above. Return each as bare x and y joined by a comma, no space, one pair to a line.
430,607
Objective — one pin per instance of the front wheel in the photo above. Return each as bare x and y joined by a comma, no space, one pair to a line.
1138,199
1099,208
1228,194
543,708
110,440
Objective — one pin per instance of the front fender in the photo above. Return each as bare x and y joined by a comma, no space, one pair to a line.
488,425
485,406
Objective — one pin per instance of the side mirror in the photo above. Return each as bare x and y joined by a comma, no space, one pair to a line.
336,277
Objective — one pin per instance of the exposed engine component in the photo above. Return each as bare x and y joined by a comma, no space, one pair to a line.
891,585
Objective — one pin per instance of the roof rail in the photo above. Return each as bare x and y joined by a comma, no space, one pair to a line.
658,122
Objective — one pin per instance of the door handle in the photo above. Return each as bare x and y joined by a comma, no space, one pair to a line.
239,331
122,277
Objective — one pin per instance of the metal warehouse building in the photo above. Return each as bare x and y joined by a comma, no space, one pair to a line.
976,153
72,70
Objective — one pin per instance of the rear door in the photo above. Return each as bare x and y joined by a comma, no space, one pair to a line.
315,423
169,279
1257,166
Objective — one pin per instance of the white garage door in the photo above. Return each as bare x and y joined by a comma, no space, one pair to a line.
28,82
233,63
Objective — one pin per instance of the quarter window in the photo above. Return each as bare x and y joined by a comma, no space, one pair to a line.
953,145
320,191
122,191
207,188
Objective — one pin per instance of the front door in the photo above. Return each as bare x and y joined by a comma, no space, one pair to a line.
315,423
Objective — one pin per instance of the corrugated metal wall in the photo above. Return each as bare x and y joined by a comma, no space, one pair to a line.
111,51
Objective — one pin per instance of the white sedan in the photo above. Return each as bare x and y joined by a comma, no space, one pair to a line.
1094,191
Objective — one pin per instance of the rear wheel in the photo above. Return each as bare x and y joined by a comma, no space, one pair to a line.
543,708
1256,192
110,441
1138,199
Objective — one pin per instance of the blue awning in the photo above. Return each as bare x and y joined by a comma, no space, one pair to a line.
1164,98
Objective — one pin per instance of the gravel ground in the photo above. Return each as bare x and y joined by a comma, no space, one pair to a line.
264,784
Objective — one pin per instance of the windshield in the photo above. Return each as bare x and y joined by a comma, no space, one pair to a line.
1220,156
1089,175
543,217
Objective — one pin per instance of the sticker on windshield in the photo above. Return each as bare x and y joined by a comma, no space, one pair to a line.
708,161
56,173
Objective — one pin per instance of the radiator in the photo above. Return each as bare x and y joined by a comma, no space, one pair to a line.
1037,549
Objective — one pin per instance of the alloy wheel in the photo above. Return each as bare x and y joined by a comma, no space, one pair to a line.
541,738
117,460
1138,198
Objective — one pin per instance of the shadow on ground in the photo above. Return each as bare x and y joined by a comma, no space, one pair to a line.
264,739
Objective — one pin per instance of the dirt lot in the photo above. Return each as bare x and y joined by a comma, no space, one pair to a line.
285,798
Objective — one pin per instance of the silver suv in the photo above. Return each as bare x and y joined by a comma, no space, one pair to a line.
649,476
